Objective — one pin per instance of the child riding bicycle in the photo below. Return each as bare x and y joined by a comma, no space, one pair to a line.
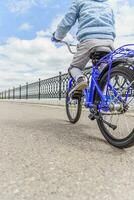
96,27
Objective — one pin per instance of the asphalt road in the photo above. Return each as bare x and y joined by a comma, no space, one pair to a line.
44,157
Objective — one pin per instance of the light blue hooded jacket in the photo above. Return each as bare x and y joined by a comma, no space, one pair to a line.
95,20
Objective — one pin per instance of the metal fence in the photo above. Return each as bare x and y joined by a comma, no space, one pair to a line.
54,87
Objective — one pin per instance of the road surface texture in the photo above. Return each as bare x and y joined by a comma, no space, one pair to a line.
44,157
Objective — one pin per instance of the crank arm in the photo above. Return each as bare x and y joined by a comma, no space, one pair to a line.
112,126
93,116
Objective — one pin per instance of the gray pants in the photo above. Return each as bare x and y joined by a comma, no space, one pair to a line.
82,56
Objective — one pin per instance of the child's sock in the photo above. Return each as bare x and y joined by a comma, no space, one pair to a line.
76,73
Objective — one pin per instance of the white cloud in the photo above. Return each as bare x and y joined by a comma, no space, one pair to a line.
124,14
25,26
21,6
27,60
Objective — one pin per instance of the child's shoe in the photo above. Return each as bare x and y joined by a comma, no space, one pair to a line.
81,84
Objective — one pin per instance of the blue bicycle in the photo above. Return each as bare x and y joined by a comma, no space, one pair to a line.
109,96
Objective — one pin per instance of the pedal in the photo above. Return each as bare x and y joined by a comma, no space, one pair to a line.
76,94
91,117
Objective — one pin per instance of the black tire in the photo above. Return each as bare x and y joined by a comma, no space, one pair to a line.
128,140
74,119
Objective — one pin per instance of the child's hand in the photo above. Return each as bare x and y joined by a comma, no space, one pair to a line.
53,39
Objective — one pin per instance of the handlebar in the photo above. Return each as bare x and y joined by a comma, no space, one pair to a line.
69,46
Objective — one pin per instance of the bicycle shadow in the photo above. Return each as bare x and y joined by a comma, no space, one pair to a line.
78,136
88,138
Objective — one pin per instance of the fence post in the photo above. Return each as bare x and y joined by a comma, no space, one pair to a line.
59,85
27,90
13,93
20,92
39,89
9,94
5,94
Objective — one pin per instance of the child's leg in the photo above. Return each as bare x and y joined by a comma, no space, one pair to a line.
76,69
76,73
82,55
80,60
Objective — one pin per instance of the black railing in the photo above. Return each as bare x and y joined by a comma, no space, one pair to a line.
54,87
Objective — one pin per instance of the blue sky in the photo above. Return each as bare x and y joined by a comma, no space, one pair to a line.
39,16
26,53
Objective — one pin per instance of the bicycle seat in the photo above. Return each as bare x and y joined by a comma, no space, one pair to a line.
97,53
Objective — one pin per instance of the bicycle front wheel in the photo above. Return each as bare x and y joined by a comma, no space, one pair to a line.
121,113
73,108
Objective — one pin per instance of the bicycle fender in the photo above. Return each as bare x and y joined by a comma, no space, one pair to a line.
114,64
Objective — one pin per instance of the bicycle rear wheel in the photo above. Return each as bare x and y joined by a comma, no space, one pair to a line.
121,113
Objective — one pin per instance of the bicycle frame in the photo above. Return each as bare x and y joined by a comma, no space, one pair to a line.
123,53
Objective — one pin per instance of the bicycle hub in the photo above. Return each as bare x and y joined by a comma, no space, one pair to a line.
116,107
